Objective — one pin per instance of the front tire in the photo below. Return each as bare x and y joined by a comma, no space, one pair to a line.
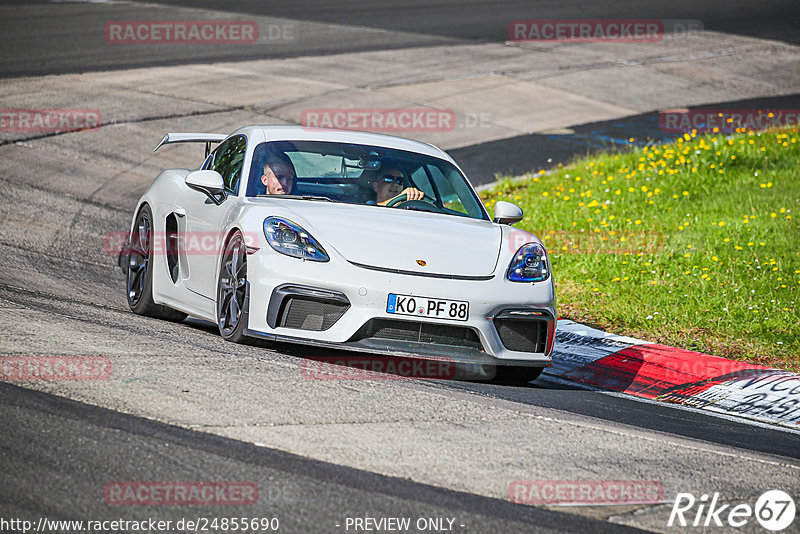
139,272
232,291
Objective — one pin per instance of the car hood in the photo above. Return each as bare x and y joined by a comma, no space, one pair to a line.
400,239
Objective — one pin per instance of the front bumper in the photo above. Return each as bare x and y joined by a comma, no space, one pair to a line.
353,312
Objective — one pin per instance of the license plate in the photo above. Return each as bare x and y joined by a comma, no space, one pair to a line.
455,310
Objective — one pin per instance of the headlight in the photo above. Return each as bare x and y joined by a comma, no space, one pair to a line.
291,239
529,264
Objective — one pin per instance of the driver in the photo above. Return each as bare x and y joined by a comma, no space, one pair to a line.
279,174
390,186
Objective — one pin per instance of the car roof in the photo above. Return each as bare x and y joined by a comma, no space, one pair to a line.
275,132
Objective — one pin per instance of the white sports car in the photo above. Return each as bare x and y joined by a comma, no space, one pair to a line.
342,240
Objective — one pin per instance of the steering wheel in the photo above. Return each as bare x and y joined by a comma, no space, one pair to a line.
402,201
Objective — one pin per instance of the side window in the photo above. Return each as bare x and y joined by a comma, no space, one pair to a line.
227,160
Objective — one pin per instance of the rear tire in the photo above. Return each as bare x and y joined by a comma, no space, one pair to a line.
139,271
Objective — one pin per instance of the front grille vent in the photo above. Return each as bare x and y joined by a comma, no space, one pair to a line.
308,314
418,332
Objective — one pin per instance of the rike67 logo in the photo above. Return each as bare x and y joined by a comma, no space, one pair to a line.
774,510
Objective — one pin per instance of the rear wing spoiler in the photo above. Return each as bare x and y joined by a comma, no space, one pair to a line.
206,138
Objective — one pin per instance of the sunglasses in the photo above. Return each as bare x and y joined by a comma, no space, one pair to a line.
391,179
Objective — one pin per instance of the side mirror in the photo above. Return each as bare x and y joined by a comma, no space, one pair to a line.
507,213
208,182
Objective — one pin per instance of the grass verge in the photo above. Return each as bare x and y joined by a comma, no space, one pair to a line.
694,244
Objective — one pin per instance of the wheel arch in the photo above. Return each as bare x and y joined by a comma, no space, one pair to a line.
245,315
228,234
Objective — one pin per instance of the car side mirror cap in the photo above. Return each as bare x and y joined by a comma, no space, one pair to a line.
507,213
208,182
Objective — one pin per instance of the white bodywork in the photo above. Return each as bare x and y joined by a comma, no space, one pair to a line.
466,259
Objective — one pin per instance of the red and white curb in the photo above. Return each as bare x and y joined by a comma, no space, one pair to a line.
597,359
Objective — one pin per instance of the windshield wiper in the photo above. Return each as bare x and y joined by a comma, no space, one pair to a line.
298,197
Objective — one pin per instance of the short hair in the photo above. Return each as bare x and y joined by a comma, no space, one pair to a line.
274,158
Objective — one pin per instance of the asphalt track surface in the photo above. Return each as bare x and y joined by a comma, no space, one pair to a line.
62,454
41,38
47,38
56,454
488,21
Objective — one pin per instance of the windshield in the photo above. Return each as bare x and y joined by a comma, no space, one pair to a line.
361,174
